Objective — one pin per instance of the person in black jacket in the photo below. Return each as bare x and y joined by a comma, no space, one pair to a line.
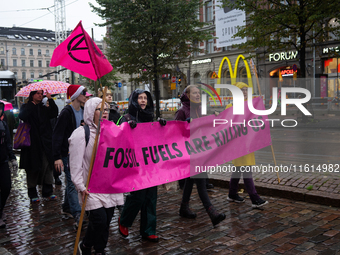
140,110
37,158
69,119
6,154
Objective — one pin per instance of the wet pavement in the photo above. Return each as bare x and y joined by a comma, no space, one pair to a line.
283,226
302,216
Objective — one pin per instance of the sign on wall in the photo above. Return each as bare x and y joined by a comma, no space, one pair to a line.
227,24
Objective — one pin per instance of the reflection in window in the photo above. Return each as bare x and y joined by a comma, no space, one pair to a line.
208,11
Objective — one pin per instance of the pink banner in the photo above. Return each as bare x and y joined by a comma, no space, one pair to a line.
149,155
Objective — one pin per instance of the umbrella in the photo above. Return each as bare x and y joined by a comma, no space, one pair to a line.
52,87
8,106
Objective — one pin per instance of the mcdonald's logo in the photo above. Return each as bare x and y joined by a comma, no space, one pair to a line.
233,72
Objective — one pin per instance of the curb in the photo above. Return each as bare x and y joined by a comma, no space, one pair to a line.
309,196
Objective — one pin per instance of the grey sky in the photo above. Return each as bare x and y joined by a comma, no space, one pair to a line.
24,13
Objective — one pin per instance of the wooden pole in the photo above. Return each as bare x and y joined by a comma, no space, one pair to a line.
258,86
94,151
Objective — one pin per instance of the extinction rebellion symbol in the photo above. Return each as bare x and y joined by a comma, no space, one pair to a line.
74,46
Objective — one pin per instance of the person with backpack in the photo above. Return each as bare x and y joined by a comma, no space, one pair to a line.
191,99
99,207
141,110
68,120
6,155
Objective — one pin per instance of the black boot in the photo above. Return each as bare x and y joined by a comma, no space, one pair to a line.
185,211
215,216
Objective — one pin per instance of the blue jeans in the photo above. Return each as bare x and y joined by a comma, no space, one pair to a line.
71,195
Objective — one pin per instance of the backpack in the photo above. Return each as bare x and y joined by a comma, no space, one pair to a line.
87,133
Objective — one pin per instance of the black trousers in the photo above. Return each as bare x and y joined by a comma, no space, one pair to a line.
200,181
97,232
145,201
5,185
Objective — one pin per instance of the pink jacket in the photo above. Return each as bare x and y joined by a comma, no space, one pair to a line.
80,158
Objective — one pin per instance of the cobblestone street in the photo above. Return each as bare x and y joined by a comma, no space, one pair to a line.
283,226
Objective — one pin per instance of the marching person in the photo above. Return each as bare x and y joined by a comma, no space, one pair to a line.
114,114
37,158
69,119
141,109
247,160
191,100
6,155
99,207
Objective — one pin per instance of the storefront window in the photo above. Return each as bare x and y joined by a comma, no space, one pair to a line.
332,65
332,68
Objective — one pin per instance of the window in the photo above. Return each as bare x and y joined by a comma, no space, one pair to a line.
23,62
210,46
197,78
208,11
31,63
14,51
16,75
24,75
39,52
2,50
2,62
31,52
32,74
47,63
47,53
40,74
15,63
22,51
209,80
39,63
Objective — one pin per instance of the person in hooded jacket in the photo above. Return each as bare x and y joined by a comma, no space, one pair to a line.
37,159
246,160
6,155
99,207
141,110
191,108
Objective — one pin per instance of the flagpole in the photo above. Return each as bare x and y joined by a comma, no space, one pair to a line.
258,86
94,151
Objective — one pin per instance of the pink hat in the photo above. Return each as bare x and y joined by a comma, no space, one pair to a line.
88,95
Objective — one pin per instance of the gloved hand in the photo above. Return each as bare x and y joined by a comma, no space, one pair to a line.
132,123
216,113
162,121
14,164
188,120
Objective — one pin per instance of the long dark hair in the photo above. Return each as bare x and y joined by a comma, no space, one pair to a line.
32,93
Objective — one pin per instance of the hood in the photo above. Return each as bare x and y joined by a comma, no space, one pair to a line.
184,97
89,108
134,107
241,85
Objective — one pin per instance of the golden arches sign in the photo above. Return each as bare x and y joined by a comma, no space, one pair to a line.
233,73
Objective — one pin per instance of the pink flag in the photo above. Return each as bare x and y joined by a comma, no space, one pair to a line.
149,155
80,54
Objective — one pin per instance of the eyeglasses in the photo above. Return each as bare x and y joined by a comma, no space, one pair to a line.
106,110
83,93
